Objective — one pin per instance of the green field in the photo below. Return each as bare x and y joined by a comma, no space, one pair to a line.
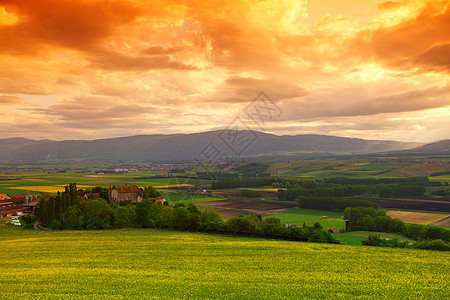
348,239
152,264
188,199
327,219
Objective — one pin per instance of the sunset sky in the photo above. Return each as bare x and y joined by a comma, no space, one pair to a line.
99,69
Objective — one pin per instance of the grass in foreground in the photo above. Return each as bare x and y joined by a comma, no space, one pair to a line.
154,264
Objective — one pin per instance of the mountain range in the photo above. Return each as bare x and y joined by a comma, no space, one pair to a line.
205,146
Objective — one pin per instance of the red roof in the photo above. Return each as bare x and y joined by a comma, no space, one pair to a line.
128,189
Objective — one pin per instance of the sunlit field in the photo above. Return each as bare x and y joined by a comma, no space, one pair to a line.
152,264
53,182
327,219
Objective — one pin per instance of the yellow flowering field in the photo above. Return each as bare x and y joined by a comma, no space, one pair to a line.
155,264
47,189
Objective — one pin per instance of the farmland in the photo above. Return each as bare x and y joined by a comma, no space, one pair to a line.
52,182
235,207
297,215
418,217
156,264
359,168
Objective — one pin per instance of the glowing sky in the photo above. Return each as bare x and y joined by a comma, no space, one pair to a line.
97,69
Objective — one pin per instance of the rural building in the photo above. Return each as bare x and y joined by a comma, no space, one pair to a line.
91,196
30,207
4,197
7,208
126,192
158,200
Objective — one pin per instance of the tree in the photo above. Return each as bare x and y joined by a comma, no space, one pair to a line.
141,216
396,225
317,237
372,240
210,220
73,194
55,224
242,224
368,223
354,217
273,220
382,223
72,218
121,216
164,218
150,192
181,218
97,214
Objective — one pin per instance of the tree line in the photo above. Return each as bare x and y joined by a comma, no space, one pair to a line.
231,184
276,182
371,219
415,180
333,203
188,217
376,240
67,209
382,190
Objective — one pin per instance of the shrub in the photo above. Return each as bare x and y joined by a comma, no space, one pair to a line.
373,240
55,224
439,245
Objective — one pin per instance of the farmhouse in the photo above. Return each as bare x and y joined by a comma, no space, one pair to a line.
7,208
126,193
29,208
4,197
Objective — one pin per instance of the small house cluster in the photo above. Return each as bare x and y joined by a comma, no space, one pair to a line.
131,193
17,205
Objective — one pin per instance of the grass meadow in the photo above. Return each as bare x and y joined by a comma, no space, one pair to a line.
327,219
154,264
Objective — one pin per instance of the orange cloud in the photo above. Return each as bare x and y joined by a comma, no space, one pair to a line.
193,65
406,44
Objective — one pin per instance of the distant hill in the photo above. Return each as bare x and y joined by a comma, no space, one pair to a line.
436,148
188,147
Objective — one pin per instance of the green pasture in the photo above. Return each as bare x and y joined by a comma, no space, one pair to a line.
188,199
348,239
297,215
356,237
383,235
156,264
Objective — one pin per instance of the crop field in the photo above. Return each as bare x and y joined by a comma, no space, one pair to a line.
297,215
358,168
54,182
152,264
417,217
441,178
424,203
235,207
